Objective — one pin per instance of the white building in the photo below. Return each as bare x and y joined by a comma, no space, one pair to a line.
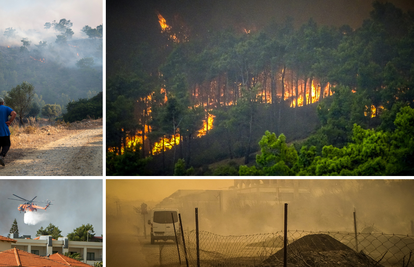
91,252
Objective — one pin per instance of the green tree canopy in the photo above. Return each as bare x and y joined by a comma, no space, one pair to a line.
81,109
50,230
51,110
82,233
85,63
20,98
276,157
15,228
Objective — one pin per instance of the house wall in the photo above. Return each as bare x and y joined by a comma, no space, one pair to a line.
98,253
5,245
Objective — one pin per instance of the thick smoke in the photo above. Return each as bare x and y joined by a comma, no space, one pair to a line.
66,54
322,205
33,218
32,29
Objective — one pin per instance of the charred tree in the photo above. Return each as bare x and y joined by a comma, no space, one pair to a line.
304,90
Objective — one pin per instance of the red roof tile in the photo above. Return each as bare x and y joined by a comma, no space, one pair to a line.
38,238
16,257
3,238
68,261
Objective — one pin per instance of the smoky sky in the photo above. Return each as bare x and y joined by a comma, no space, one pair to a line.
29,17
132,22
386,205
74,202
157,189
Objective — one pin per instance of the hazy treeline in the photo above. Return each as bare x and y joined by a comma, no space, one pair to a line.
60,68
246,78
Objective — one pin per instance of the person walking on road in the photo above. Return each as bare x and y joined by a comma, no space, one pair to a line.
5,122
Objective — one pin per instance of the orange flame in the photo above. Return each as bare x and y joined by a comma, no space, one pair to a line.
166,28
163,23
373,110
207,126
167,143
41,60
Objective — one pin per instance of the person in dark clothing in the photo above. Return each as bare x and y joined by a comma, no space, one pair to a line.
5,122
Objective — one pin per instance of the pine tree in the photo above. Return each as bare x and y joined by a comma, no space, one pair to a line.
14,229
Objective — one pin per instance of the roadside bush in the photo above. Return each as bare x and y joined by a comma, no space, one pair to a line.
81,109
30,129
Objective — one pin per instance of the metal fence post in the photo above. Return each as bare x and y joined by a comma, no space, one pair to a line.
197,238
356,233
182,234
176,240
285,238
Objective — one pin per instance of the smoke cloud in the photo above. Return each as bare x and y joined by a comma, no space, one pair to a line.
33,218
322,205
30,16
31,28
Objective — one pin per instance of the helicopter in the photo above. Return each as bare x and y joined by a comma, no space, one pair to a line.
29,204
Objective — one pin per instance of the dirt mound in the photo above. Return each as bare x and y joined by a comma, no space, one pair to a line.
319,250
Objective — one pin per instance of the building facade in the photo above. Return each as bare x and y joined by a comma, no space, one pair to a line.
90,252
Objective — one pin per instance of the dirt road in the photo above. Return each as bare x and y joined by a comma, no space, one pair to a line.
131,250
76,154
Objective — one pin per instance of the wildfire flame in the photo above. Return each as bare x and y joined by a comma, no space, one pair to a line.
41,60
207,126
166,28
163,23
166,143
373,110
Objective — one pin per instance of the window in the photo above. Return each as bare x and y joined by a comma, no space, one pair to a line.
90,256
36,252
165,216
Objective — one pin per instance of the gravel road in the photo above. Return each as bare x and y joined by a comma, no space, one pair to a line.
77,154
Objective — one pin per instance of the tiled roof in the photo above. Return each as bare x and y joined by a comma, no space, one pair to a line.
16,257
38,238
67,261
3,238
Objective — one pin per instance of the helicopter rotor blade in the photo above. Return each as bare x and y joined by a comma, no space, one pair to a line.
20,197
33,199
14,199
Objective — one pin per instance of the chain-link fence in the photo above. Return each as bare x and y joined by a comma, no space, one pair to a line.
305,248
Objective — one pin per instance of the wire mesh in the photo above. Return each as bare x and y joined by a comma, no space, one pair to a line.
305,248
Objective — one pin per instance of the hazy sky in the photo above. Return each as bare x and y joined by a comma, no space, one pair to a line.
29,15
158,189
74,202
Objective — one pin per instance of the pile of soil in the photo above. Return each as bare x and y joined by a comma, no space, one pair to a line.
319,250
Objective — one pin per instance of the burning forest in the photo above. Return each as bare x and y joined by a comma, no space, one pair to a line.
197,97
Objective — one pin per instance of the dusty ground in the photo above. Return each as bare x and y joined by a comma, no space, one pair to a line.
53,150
126,244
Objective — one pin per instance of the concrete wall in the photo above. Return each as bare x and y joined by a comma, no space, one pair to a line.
5,245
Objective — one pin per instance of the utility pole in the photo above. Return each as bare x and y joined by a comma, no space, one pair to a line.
144,212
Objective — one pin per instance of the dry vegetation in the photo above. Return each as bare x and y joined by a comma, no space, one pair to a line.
38,133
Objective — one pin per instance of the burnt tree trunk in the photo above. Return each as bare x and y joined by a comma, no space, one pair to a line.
296,96
323,85
282,100
218,90
188,161
310,90
247,154
304,91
